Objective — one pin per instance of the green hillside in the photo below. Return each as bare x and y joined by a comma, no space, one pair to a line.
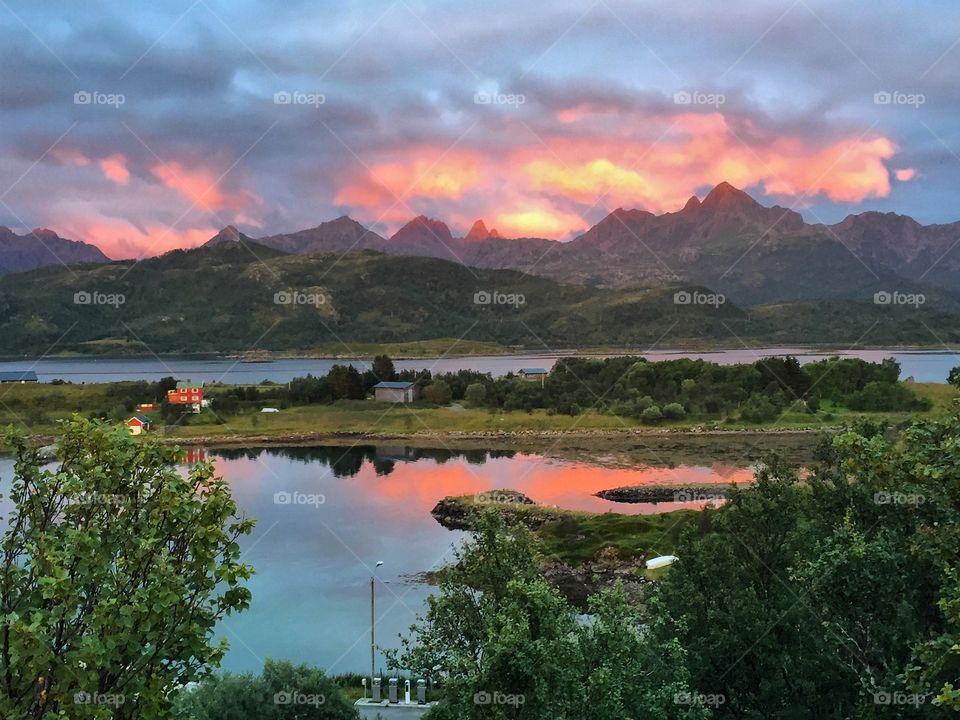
236,297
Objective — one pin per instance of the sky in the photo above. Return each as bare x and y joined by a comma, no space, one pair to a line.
145,126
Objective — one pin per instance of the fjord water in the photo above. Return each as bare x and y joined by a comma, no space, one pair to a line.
326,515
922,366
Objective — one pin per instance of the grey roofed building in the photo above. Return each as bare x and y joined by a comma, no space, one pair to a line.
396,391
18,376
533,374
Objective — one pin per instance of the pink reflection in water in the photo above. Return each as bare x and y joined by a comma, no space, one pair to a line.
413,487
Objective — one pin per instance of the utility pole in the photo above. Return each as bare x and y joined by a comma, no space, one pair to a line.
373,622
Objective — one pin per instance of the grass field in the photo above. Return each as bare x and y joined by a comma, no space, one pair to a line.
35,409
579,537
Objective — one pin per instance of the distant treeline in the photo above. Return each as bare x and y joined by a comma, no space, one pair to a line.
626,386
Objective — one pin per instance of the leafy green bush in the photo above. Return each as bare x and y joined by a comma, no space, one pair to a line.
282,690
475,393
674,411
438,393
652,415
506,644
758,409
885,396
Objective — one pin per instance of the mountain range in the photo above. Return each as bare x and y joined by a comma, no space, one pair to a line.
232,297
727,241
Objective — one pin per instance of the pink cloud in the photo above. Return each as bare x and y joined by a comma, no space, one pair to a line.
203,187
905,174
119,239
70,156
548,186
391,188
114,167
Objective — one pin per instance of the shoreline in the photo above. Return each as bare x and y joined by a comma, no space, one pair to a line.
272,356
416,439
615,449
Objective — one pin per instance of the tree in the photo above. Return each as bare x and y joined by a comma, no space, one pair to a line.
880,396
652,415
507,645
730,592
226,404
115,571
345,383
845,583
475,393
383,368
438,393
674,411
784,373
282,690
171,414
954,377
161,387
758,409
308,390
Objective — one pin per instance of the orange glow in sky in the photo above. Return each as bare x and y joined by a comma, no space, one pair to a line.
552,186
548,187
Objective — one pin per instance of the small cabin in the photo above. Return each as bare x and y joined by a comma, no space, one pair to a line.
396,392
138,425
533,374
147,407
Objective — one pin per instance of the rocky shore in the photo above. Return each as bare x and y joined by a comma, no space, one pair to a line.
666,493
575,582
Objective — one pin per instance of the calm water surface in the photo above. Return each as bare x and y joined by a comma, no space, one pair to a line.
326,515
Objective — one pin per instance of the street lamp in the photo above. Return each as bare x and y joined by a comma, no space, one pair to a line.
373,644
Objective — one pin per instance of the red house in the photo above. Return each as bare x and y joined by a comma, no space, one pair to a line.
187,392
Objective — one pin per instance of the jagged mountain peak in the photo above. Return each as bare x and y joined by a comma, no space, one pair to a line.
479,231
229,234
727,196
43,246
423,225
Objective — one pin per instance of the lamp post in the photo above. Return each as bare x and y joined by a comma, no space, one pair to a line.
373,645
